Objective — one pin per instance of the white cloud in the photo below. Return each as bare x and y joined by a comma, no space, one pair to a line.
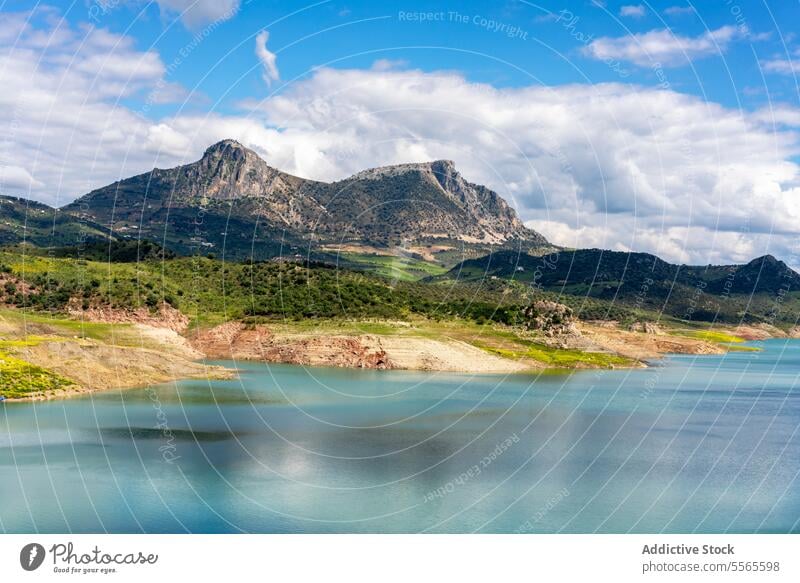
197,13
632,11
267,58
16,178
679,10
62,124
781,66
698,245
168,93
662,46
780,114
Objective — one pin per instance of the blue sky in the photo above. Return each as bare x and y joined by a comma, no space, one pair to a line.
548,47
659,126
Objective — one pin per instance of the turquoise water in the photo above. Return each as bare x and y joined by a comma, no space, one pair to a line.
696,444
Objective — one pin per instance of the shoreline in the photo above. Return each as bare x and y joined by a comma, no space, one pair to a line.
143,354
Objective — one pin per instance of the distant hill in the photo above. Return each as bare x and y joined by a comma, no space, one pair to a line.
232,202
746,292
27,221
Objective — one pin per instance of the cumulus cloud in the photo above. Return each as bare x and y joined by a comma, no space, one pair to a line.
197,13
662,46
63,131
692,245
632,11
780,114
268,59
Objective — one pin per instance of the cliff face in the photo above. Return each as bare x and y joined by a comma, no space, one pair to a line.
432,199
246,202
228,171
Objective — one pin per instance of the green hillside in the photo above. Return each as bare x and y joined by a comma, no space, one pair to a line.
763,290
209,290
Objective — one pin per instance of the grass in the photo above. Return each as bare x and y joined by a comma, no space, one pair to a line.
737,348
22,343
22,379
559,357
62,325
730,342
19,378
394,267
712,336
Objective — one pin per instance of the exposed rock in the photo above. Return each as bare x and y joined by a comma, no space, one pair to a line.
760,331
550,318
165,316
474,213
446,354
644,346
340,351
604,323
646,328
240,341
234,340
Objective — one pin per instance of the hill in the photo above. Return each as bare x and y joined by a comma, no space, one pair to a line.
27,221
763,290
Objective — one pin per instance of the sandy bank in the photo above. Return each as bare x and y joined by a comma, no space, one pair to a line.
643,345
374,351
141,355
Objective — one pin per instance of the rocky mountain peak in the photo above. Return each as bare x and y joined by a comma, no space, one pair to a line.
445,166
767,260
227,148
230,154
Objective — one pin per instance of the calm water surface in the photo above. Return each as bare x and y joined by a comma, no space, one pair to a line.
697,444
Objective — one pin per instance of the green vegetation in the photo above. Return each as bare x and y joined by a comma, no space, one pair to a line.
558,357
400,268
382,295
737,348
763,290
712,336
211,291
731,342
38,224
21,379
125,251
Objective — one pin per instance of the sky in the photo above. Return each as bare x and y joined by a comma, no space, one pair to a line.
667,127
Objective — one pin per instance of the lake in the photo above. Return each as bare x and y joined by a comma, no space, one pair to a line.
703,444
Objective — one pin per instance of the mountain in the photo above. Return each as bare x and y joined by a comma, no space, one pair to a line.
23,220
232,201
756,290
